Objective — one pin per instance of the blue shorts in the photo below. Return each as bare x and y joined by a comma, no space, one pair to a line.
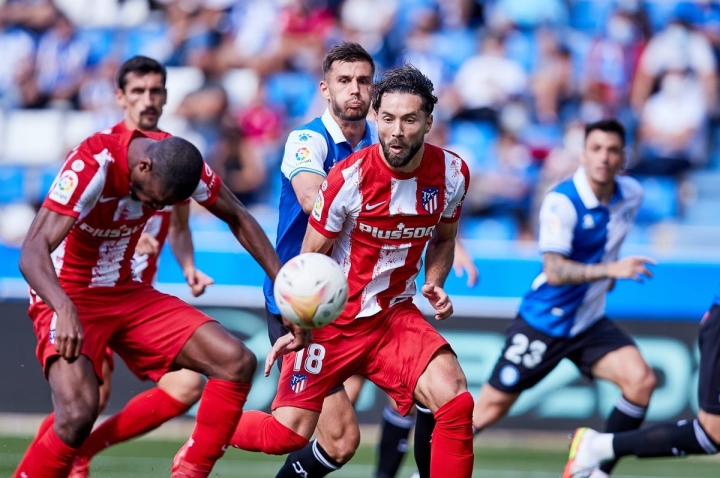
276,329
530,355
709,342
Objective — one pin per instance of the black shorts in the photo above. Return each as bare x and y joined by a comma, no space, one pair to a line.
276,329
709,342
530,355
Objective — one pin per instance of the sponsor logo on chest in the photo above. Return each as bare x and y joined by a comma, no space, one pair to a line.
401,232
122,231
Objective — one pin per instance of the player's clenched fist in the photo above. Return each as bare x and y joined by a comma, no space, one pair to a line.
69,335
632,267
439,299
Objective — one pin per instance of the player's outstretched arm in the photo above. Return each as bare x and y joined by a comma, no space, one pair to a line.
181,244
45,234
463,262
560,270
438,262
315,242
246,230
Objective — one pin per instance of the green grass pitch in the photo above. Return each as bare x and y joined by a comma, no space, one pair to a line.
150,458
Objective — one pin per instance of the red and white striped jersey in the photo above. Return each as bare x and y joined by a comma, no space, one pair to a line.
94,187
145,266
382,219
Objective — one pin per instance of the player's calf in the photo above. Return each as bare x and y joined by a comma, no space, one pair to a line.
76,398
491,406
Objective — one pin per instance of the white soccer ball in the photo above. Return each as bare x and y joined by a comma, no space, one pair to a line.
311,290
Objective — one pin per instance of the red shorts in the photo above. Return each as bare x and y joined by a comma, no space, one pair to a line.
145,327
391,349
110,357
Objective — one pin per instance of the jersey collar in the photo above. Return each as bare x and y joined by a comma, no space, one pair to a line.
587,196
337,135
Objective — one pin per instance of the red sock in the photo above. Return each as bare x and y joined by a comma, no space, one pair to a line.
452,441
49,457
144,412
47,423
218,415
259,431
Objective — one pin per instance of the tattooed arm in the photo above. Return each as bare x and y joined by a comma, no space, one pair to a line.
562,271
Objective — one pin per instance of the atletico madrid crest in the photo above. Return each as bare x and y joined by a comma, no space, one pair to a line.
298,382
430,199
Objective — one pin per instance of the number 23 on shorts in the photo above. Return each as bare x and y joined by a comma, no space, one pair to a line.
314,360
530,354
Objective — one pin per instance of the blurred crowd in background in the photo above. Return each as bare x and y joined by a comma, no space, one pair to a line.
517,79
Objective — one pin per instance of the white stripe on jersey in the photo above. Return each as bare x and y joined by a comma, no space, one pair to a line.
106,271
454,184
92,192
403,196
348,201
390,259
58,256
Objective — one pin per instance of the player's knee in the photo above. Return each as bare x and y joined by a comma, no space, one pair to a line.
638,384
343,446
73,423
236,363
184,385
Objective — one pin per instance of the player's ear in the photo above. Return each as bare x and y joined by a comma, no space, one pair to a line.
145,165
428,124
120,96
324,89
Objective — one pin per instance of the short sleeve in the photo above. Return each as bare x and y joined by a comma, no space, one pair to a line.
460,183
208,189
80,181
557,224
330,210
305,151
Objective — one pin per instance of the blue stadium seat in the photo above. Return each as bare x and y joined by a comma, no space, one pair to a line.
12,181
500,228
478,136
660,200
589,15
101,42
294,91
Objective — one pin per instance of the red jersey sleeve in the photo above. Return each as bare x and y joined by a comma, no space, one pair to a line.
80,181
208,188
330,210
458,183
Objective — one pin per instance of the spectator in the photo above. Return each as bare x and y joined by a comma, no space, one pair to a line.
672,127
678,46
60,63
553,83
18,52
235,160
488,81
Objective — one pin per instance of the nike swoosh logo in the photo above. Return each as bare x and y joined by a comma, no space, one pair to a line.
370,207
104,199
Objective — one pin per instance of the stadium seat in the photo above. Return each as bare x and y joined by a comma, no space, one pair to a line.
589,15
78,125
706,184
293,91
181,80
241,86
33,137
478,136
703,212
500,228
12,181
660,199
100,41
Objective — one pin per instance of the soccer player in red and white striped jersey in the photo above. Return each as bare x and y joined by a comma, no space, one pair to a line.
377,213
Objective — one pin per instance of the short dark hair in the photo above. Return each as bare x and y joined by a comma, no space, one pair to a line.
178,164
406,79
608,125
140,65
347,52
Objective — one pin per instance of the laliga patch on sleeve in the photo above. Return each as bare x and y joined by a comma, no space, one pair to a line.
63,190
319,203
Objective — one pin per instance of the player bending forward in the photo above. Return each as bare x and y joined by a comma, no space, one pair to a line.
77,260
378,210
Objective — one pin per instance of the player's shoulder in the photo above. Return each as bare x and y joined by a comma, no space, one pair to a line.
630,188
308,132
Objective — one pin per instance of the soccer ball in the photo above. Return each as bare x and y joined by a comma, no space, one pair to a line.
311,290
